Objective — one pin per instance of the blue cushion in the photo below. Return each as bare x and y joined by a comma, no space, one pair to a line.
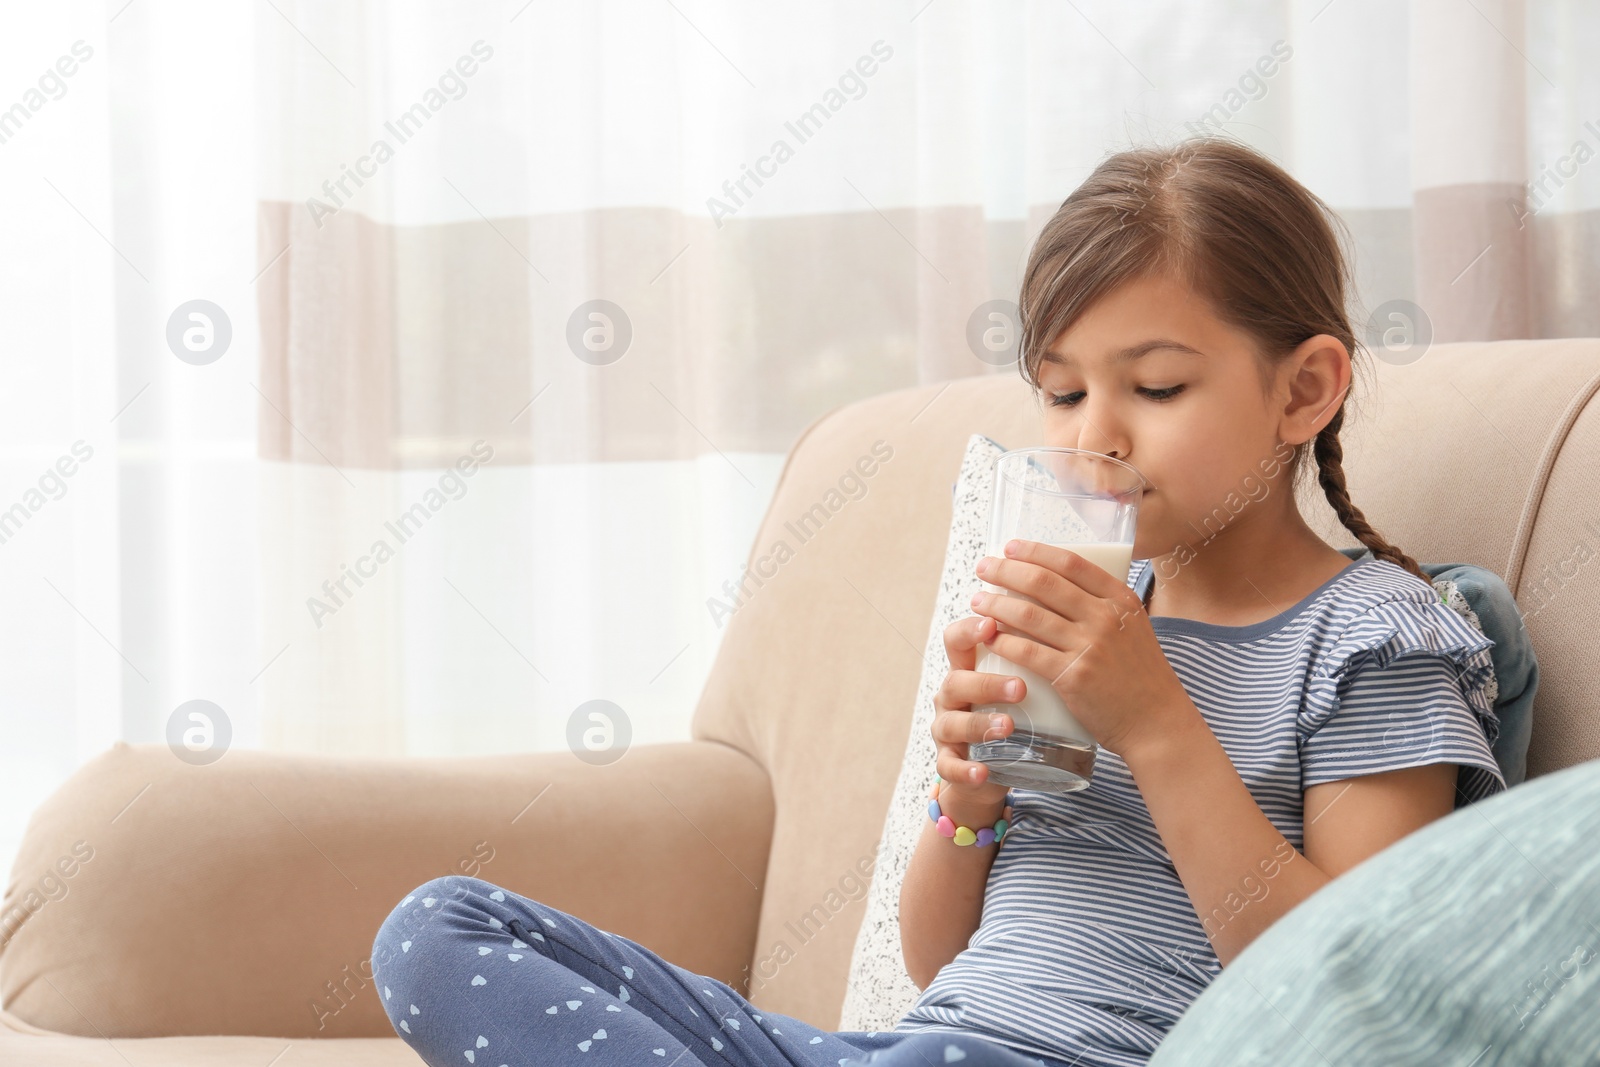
1474,940
1516,671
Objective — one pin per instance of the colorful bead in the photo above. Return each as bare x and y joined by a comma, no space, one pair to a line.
965,835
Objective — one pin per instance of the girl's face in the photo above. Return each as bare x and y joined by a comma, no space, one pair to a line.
1149,375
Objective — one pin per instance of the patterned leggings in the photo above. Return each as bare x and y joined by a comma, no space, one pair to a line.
473,974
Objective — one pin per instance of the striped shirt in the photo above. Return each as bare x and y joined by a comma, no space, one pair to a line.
1089,948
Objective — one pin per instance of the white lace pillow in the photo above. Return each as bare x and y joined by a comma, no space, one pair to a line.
879,991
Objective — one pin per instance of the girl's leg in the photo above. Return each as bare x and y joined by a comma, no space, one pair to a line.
473,974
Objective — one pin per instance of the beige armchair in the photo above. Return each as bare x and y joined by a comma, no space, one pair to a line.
220,914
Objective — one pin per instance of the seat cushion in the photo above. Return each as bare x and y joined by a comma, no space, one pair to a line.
26,1045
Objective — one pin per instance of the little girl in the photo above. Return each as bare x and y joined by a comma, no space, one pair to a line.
1269,713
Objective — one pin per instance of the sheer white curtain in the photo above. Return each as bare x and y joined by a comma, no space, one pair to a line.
132,583
784,207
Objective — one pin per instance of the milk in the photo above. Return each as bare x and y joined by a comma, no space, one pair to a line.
1041,710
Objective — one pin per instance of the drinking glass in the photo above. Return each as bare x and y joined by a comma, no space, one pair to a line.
1087,503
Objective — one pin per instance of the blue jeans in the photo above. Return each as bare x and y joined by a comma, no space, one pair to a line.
473,974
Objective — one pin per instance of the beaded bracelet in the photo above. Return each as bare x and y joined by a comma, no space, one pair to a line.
965,835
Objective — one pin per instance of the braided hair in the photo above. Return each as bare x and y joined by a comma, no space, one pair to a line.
1330,475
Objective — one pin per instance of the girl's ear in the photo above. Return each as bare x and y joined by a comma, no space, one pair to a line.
1319,376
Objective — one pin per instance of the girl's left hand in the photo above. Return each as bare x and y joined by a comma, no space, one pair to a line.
1090,635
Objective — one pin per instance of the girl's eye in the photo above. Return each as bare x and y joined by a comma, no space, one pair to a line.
1065,400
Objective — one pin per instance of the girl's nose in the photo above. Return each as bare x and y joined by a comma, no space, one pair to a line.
1099,439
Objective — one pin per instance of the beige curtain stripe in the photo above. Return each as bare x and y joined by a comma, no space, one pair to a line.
398,346
1473,262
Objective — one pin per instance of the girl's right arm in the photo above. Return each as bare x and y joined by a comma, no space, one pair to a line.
941,899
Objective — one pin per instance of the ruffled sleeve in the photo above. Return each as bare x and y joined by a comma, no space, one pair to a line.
1406,683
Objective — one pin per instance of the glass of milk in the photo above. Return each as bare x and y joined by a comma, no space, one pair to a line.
1087,503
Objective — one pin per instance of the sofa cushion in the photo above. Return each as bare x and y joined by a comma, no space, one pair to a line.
1477,934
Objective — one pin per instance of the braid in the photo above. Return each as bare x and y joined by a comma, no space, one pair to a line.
1330,475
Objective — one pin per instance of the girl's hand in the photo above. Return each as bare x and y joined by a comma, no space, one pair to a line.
1089,635
955,726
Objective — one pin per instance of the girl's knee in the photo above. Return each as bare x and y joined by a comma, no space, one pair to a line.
412,943
418,911
450,888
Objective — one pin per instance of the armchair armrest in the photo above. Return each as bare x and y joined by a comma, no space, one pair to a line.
150,897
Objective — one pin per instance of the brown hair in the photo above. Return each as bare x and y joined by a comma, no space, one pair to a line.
1241,232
